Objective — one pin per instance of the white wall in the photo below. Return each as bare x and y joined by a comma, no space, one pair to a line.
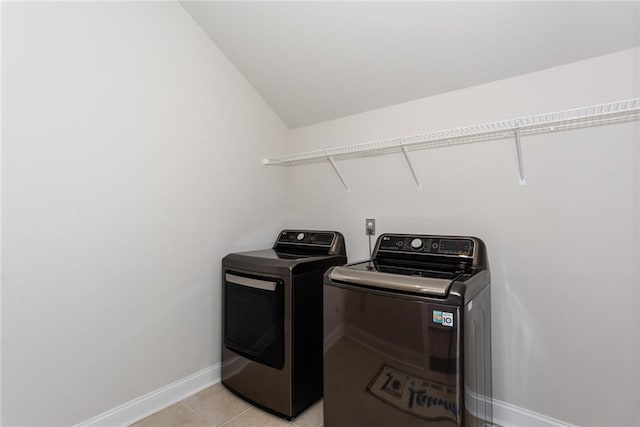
130,167
564,249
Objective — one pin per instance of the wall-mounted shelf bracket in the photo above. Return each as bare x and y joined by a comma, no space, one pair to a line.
413,172
335,168
523,181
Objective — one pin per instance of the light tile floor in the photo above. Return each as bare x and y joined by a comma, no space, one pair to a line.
215,406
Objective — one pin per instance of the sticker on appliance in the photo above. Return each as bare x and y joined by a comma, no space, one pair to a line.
444,318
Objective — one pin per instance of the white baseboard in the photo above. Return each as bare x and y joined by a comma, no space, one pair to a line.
504,414
508,415
143,406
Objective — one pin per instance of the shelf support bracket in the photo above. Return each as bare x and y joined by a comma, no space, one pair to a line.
523,181
335,168
413,172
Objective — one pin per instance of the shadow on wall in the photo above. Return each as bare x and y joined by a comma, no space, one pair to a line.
516,336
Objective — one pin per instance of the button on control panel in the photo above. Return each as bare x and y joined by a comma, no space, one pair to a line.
432,245
417,244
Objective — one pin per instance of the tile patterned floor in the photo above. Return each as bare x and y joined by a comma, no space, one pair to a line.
215,407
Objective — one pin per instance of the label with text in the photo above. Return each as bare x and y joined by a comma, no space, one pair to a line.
443,318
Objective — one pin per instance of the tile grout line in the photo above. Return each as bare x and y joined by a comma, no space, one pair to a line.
194,412
191,406
201,417
230,420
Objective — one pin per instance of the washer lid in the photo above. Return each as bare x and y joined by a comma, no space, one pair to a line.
371,276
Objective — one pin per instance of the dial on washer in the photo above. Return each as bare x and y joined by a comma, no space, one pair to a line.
300,236
417,244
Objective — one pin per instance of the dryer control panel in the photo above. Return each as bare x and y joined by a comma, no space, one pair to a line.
311,241
306,237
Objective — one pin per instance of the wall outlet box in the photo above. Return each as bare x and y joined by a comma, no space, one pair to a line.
370,226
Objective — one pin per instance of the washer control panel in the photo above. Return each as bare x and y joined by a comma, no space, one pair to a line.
431,245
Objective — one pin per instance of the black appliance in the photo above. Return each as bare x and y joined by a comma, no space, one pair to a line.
407,335
272,320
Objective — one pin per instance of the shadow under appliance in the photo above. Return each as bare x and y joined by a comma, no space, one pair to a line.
272,320
407,335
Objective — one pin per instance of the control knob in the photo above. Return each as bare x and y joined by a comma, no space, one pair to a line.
417,244
300,236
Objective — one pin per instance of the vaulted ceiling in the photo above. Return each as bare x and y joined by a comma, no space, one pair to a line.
317,61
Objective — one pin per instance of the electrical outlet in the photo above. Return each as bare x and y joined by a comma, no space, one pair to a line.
370,226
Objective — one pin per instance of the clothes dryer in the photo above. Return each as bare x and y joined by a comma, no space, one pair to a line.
272,320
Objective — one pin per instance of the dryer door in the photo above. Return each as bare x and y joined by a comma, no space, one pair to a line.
254,317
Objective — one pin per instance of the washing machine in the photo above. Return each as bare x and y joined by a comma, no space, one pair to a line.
407,335
272,320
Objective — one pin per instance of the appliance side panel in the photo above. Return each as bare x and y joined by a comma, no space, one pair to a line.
477,360
306,326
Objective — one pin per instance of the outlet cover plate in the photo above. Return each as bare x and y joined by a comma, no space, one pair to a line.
370,226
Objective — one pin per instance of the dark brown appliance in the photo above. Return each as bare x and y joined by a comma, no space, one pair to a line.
272,320
407,335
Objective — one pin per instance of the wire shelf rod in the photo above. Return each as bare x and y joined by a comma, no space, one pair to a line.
612,112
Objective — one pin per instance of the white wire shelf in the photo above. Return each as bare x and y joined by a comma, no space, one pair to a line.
595,115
